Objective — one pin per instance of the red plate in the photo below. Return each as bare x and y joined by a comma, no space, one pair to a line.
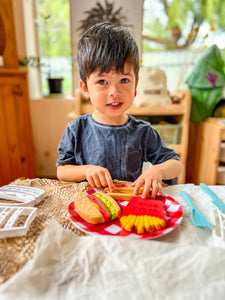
172,208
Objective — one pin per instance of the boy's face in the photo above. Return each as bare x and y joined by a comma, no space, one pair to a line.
111,94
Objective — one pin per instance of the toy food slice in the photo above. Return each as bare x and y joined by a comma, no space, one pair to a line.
123,193
97,208
143,215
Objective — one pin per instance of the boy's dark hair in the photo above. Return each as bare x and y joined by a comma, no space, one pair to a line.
106,46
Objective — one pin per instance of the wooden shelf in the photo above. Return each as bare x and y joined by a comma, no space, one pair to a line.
204,158
177,148
83,106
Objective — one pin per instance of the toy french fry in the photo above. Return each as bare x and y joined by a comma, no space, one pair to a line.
130,224
147,224
140,228
137,221
151,223
124,221
162,223
156,223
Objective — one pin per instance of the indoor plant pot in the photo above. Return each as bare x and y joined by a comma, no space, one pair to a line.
55,85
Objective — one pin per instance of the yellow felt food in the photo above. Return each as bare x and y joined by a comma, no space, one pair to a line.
141,223
123,193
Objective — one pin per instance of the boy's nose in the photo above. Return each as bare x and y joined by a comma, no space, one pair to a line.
114,90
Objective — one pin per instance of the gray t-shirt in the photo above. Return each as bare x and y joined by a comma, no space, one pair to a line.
121,149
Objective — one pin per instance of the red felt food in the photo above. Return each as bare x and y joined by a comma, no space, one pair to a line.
140,207
99,207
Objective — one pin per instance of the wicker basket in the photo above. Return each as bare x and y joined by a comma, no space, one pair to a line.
169,133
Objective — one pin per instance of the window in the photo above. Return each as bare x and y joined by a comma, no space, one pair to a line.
174,35
53,26
176,32
48,44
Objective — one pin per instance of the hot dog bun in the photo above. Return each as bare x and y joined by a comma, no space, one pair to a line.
125,193
97,208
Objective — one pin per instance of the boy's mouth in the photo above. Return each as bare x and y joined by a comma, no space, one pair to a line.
115,105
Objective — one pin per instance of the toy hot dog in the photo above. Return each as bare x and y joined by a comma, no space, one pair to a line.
97,208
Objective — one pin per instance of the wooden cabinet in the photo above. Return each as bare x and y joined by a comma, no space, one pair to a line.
16,146
205,151
8,47
16,150
181,113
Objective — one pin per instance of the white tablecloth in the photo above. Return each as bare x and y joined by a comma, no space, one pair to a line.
188,263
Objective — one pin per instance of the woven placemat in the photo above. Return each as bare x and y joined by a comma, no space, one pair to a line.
15,252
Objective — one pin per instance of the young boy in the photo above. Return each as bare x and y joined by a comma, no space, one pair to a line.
109,144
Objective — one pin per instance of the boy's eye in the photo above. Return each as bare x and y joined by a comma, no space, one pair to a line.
124,80
102,82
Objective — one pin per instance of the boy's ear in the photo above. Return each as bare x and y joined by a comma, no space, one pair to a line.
136,82
84,89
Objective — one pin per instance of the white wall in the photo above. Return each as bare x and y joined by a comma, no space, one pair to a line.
49,118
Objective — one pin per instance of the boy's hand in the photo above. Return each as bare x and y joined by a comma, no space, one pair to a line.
151,178
99,177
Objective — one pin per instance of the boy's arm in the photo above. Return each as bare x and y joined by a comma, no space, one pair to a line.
95,175
152,178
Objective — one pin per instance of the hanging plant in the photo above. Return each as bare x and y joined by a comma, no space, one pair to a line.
106,12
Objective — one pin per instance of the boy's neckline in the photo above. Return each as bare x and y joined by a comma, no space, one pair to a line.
110,125
112,122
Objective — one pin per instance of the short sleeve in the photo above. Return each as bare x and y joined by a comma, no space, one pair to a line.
66,148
